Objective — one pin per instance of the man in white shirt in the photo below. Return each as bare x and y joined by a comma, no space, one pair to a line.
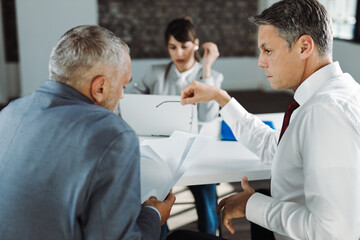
316,164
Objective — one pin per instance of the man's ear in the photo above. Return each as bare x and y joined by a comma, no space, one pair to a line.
97,89
306,46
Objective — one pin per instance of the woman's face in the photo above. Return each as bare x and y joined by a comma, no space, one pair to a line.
182,53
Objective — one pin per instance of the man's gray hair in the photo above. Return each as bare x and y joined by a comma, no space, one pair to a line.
81,48
294,18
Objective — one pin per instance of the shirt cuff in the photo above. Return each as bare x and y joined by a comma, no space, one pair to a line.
233,110
256,209
155,210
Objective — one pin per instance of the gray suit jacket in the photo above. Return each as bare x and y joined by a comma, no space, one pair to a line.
69,170
162,80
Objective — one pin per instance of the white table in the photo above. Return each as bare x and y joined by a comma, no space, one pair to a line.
227,161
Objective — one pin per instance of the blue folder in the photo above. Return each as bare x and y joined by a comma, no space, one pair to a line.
227,135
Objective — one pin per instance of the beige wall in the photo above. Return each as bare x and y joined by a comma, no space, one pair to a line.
40,24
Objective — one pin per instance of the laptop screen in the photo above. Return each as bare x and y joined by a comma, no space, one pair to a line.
157,115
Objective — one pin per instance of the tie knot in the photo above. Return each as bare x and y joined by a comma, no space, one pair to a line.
292,106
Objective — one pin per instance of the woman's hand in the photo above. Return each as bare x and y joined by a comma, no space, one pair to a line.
211,53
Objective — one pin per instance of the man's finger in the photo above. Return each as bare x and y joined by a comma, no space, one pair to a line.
185,91
190,100
170,198
245,183
218,208
221,205
149,201
186,94
229,225
183,95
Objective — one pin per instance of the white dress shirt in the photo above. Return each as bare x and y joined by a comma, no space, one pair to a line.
315,184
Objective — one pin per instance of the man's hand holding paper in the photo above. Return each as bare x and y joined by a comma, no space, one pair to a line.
164,161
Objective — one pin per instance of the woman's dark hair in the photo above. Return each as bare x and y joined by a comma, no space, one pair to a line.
183,31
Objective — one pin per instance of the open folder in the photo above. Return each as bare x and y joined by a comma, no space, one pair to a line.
164,161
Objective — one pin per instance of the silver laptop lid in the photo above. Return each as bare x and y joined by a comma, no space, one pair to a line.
158,115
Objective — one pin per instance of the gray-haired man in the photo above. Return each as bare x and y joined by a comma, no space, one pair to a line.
69,167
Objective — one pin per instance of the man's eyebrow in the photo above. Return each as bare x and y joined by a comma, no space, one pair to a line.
263,45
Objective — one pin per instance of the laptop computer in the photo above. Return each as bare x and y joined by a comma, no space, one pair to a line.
158,115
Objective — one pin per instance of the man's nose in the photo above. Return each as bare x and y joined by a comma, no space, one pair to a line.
262,63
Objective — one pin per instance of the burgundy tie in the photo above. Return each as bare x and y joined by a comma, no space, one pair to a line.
293,105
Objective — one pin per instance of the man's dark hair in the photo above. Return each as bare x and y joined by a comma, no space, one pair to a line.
294,18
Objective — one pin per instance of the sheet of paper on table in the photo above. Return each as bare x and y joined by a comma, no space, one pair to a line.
164,161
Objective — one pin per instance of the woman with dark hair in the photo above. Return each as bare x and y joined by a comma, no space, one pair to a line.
169,79
185,67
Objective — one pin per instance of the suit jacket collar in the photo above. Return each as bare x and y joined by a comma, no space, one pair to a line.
63,90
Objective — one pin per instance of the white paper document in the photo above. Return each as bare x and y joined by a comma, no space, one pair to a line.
164,161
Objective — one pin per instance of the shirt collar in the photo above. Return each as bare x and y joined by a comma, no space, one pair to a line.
312,84
185,74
